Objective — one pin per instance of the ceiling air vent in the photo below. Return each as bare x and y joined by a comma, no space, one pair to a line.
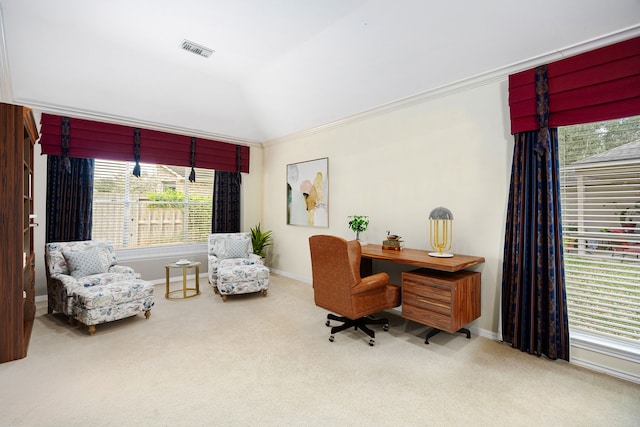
196,48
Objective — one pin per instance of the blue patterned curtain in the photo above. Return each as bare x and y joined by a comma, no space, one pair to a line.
226,202
69,198
534,310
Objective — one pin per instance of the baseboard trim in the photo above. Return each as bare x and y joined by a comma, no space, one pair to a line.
291,276
606,370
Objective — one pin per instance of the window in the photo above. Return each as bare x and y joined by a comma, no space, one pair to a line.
168,185
161,207
600,191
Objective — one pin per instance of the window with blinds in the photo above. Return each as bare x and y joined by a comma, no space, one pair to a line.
600,191
161,207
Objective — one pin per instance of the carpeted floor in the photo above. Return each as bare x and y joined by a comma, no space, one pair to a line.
255,361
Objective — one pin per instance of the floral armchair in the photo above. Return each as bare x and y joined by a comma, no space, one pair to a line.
85,283
233,267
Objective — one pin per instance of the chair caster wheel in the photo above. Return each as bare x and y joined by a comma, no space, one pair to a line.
327,323
385,328
372,342
331,338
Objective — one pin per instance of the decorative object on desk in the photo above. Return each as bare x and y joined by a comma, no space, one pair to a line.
359,224
308,193
260,240
392,242
440,227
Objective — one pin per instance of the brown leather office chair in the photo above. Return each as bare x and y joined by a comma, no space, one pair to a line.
338,287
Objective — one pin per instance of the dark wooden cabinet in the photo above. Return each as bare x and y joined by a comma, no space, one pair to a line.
18,134
446,301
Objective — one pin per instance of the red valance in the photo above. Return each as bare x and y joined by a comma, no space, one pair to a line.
97,140
602,84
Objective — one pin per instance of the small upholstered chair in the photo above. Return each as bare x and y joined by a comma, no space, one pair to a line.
233,267
338,287
85,283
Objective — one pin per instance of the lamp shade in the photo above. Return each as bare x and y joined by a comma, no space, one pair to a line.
441,213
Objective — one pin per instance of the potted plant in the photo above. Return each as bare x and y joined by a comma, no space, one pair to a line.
358,224
260,240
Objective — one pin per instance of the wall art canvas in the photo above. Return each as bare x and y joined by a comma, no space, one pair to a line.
308,193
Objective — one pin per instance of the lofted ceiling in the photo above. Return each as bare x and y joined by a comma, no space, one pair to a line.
279,66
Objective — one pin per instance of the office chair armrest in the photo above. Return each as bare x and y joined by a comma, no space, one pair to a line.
369,283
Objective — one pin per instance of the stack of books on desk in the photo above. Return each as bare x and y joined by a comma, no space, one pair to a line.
393,245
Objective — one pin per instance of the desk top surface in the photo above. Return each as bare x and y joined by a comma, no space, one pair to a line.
421,258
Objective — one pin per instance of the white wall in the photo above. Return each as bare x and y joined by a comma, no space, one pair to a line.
396,166
454,150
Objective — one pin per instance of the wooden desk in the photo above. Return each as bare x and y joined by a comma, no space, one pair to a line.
416,257
439,294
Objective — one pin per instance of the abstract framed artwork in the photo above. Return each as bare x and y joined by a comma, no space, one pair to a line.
308,193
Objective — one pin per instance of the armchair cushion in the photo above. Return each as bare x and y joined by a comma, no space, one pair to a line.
83,263
234,248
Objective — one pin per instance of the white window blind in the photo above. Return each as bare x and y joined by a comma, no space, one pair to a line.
161,207
600,191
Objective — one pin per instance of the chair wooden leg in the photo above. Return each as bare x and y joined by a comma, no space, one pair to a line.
264,292
224,298
71,321
147,314
92,329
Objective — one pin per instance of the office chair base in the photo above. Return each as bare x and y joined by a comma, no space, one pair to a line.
360,323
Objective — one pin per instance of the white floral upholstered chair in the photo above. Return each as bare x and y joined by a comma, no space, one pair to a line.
85,283
233,267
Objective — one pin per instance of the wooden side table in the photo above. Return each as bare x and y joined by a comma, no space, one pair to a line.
186,292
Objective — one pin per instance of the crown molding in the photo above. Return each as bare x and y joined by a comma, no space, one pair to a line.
479,80
61,110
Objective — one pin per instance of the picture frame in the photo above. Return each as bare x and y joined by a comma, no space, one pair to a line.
308,193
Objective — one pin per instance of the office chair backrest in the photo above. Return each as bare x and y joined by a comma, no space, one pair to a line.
335,265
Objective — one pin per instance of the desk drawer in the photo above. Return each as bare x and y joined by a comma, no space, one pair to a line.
426,302
422,287
427,317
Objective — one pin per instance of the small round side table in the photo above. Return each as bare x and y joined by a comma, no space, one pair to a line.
186,292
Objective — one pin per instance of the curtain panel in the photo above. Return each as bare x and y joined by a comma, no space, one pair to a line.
96,140
534,308
69,199
534,311
226,202
602,84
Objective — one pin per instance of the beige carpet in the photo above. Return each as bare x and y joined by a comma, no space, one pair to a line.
255,361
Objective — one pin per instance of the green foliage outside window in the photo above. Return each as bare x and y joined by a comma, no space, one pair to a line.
589,139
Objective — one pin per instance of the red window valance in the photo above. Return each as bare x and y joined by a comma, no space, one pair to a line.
97,140
602,84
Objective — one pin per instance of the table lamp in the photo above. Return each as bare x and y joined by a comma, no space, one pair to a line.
440,224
